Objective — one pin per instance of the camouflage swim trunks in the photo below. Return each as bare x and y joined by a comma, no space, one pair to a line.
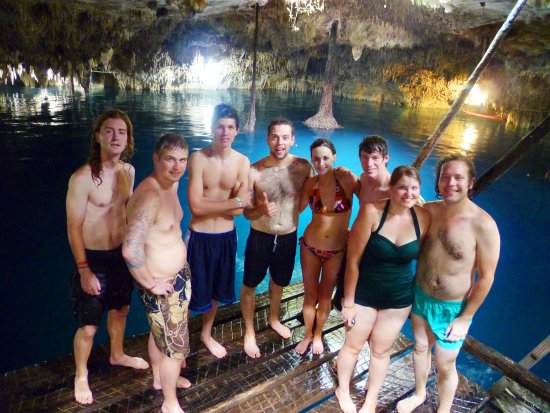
168,316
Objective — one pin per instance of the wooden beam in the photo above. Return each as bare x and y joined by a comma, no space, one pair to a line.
534,356
483,63
507,161
512,370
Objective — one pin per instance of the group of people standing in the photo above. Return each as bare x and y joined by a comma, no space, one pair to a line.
118,236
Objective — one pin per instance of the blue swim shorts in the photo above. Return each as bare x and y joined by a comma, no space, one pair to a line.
212,261
438,314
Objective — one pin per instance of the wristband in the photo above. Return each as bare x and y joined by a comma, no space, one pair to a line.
239,202
349,306
83,264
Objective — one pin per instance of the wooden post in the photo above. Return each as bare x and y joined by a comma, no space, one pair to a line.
436,135
251,122
507,161
528,361
324,119
507,367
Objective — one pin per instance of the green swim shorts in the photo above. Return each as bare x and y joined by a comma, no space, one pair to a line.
438,314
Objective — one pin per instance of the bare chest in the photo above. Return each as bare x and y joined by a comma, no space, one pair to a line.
113,191
280,184
220,175
454,238
169,216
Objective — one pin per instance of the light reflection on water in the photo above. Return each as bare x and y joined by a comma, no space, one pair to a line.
45,137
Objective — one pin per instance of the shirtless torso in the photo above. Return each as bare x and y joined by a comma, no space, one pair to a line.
160,215
283,185
374,189
216,176
448,261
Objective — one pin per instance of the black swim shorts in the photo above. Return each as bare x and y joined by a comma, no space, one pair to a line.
116,287
263,251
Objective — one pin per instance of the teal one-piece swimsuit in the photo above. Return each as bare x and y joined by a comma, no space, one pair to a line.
385,270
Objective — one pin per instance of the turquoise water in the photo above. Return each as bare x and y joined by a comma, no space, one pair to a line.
44,137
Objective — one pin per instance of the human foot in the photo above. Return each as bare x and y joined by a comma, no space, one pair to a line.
82,392
318,347
250,347
127,361
182,383
368,407
409,404
171,408
344,399
303,345
281,329
214,347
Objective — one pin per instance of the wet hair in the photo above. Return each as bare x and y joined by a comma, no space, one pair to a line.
373,144
280,121
94,154
170,141
224,111
402,171
455,157
322,142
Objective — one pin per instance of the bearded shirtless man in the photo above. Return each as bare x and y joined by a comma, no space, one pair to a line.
462,241
276,182
96,221
157,258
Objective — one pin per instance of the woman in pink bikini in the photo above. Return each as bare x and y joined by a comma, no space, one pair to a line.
323,245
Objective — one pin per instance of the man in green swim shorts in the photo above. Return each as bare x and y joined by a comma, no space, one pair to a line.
462,241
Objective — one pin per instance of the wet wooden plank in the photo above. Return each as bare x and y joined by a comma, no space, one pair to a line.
302,392
48,386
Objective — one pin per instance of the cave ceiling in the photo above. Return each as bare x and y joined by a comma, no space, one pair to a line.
75,30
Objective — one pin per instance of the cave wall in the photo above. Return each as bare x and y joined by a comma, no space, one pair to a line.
388,51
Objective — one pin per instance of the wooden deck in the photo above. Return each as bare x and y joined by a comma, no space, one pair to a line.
280,381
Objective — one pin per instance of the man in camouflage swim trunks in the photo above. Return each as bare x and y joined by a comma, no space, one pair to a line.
157,258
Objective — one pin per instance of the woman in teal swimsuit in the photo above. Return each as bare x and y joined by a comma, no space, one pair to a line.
378,287
322,248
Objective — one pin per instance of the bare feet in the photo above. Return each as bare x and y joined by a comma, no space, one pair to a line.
182,383
167,408
281,329
250,347
344,399
303,345
409,404
82,392
214,347
318,347
127,361
368,407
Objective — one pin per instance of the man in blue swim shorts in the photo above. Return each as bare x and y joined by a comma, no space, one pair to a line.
218,190
96,221
454,274
276,182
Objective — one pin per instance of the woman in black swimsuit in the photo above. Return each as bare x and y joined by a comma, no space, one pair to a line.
378,287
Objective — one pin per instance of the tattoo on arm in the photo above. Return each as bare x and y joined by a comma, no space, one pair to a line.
136,234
